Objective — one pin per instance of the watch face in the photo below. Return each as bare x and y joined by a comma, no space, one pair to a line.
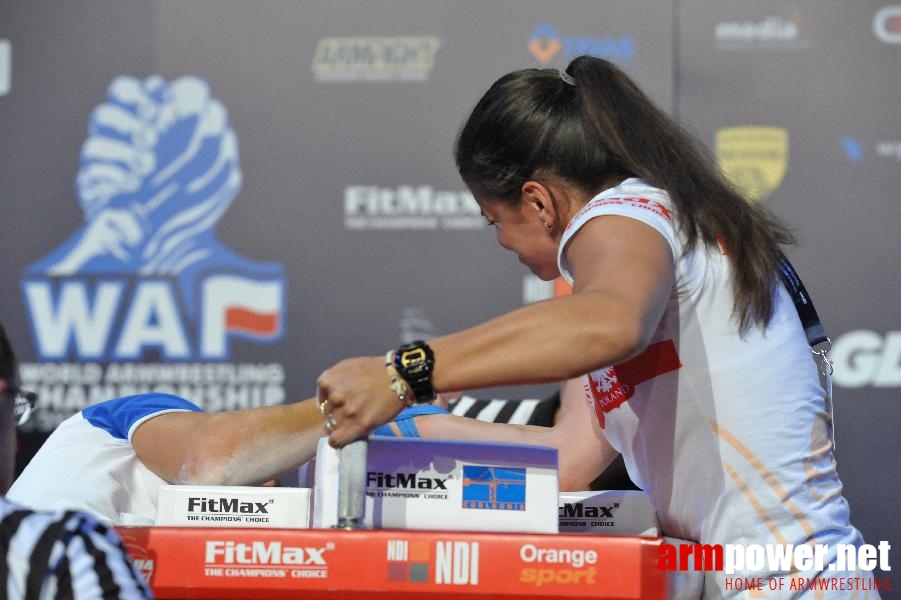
412,358
414,363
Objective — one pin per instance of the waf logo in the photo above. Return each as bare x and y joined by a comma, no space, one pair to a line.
545,45
145,270
608,388
494,488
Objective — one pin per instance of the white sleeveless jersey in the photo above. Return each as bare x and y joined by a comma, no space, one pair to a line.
728,434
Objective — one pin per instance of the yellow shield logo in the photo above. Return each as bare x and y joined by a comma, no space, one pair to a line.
753,158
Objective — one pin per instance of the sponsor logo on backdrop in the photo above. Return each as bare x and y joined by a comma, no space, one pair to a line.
143,296
401,58
557,566
417,207
867,358
853,148
408,561
265,560
887,24
857,149
6,67
456,563
773,31
546,45
494,488
754,159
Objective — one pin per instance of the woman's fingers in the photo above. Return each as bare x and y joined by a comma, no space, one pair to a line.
355,398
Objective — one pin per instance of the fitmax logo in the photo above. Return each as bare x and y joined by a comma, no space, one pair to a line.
577,510
228,552
227,505
405,481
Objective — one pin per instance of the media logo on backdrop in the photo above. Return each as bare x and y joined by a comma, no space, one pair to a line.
545,45
6,67
144,277
887,24
771,32
857,149
422,207
400,58
754,158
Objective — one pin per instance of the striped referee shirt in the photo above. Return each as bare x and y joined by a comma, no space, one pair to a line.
63,554
517,412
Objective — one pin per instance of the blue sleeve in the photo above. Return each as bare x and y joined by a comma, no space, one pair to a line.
119,415
404,420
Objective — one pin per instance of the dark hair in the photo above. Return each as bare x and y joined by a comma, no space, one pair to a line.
532,124
9,366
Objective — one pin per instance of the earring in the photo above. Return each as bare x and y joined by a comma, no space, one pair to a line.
546,226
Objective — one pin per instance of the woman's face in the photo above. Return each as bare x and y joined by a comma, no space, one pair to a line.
520,230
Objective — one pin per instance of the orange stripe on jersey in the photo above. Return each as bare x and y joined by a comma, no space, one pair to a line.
767,476
761,512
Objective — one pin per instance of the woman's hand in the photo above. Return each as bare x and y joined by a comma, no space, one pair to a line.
355,398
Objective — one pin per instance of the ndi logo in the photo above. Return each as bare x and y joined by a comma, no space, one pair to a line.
494,488
408,561
145,271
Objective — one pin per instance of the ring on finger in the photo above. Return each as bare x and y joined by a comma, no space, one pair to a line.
330,423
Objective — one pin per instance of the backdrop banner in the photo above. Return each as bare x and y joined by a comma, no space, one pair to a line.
330,220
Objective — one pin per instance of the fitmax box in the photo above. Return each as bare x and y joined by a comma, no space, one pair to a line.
446,485
610,512
233,506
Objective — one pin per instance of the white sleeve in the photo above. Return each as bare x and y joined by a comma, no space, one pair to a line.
652,207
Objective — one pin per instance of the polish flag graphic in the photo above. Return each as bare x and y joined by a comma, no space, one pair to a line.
234,305
611,386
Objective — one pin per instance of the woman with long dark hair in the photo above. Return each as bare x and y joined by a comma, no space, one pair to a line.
694,362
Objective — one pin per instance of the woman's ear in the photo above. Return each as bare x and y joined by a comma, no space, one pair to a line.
537,197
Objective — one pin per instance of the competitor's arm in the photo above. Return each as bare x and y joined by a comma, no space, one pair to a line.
624,271
240,447
583,451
